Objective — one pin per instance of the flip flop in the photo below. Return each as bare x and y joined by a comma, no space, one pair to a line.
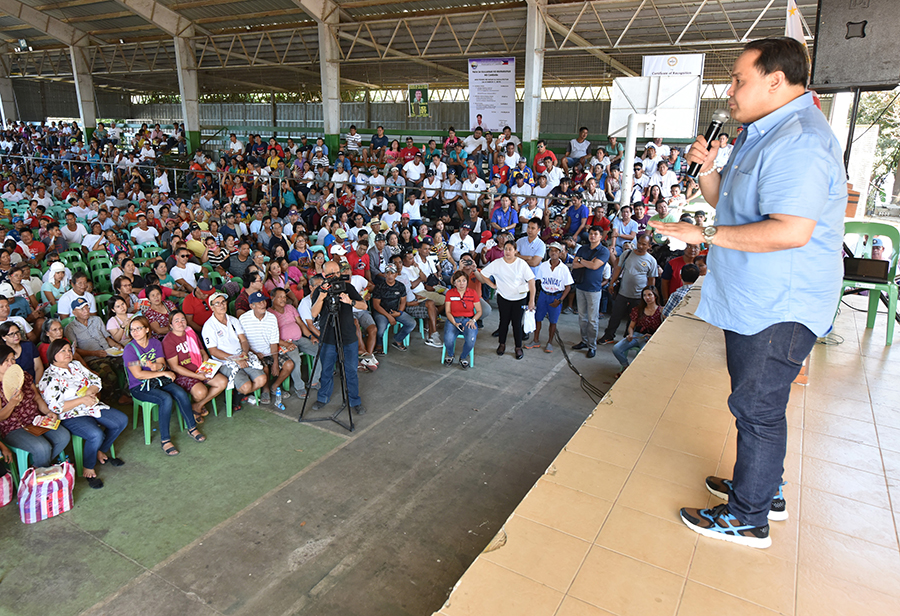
195,434
170,450
116,461
95,482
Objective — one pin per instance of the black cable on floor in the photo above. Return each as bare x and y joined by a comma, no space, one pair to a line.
593,392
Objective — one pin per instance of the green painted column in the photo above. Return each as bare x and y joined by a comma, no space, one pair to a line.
193,139
88,131
529,149
333,142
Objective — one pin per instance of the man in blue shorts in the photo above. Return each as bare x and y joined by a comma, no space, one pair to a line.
556,283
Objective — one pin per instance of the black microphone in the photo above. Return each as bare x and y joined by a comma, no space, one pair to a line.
720,116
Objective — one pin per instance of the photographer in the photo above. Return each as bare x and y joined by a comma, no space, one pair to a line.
337,295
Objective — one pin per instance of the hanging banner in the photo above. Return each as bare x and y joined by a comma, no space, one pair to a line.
677,65
418,100
492,93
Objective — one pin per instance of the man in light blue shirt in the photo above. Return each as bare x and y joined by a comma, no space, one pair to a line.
774,270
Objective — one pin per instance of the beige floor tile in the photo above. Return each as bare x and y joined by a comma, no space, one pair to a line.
567,510
625,586
600,479
842,427
892,468
883,380
707,396
633,422
822,595
847,389
668,545
849,517
487,588
887,415
662,498
689,439
889,438
840,451
574,607
798,395
850,559
795,416
845,481
727,567
539,553
837,405
606,446
706,417
699,599
675,466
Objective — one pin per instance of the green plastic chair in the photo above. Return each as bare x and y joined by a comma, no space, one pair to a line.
77,266
66,321
20,465
71,255
471,353
101,304
78,449
101,279
97,254
216,278
876,289
150,413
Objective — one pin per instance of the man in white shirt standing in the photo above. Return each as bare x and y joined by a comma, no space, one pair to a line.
475,146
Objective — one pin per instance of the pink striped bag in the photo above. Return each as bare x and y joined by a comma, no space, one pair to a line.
6,489
46,492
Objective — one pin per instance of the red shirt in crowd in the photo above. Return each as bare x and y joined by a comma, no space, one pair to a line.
462,306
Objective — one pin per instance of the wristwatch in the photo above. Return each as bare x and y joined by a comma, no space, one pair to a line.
709,234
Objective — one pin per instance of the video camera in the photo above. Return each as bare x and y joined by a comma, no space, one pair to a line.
335,285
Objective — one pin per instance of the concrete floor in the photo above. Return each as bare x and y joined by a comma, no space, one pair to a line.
389,519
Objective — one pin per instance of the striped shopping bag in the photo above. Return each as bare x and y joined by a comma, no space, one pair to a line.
6,486
46,492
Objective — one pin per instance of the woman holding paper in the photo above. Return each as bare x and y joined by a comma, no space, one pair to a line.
17,414
72,392
185,356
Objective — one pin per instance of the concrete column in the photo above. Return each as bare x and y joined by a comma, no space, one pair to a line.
84,89
330,68
188,87
8,100
534,78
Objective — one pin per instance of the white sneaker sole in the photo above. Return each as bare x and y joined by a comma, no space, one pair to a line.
750,542
774,516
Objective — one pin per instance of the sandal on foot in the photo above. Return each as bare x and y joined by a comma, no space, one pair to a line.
116,461
170,450
95,482
195,434
198,418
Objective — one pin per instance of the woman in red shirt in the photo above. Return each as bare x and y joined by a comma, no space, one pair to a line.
645,320
463,309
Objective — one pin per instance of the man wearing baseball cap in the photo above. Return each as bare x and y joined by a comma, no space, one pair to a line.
264,337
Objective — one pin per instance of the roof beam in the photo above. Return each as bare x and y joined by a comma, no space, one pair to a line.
162,17
582,42
59,30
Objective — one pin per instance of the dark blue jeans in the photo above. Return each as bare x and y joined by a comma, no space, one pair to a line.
98,433
164,398
762,368
328,358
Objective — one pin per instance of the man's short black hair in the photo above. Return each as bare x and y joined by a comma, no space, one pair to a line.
690,273
782,53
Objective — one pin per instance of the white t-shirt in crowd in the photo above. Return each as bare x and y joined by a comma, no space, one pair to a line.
73,237
460,245
140,236
64,305
413,208
413,171
188,273
554,280
470,143
511,278
223,336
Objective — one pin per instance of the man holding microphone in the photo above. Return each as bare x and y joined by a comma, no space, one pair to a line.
774,270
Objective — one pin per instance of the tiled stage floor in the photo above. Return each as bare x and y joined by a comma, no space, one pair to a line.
600,534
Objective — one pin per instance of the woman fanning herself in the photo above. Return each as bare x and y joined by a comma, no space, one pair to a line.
514,282
463,309
645,320
18,413
150,381
184,354
72,392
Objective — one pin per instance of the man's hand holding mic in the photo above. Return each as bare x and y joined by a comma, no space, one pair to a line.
702,153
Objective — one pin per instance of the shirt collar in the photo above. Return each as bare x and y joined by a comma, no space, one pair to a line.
768,122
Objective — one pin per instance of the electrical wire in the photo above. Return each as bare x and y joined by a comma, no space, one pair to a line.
883,111
593,392
831,339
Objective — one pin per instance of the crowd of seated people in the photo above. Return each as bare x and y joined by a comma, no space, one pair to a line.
121,279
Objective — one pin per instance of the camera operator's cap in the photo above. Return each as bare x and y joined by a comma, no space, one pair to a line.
205,285
379,237
558,246
256,298
57,266
213,297
467,225
877,242
80,303
429,173
390,269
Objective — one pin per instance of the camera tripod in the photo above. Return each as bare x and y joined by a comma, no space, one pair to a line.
331,320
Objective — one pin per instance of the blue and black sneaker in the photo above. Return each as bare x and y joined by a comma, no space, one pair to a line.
722,489
719,523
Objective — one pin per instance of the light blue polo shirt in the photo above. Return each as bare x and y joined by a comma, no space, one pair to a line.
788,162
537,248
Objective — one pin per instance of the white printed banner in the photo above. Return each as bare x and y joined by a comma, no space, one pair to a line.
674,65
492,93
